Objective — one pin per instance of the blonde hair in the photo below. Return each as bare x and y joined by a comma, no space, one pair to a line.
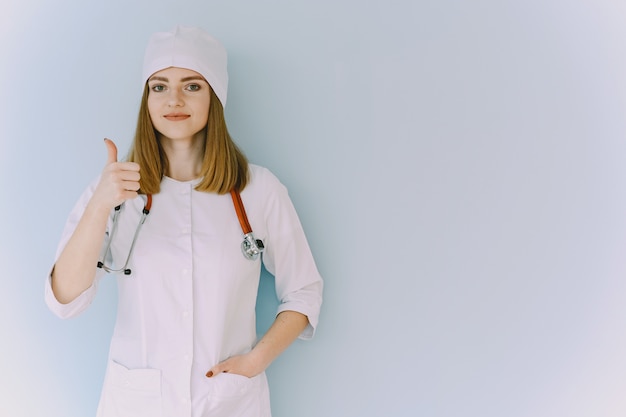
224,166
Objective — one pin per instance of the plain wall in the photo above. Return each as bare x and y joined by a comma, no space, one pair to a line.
457,166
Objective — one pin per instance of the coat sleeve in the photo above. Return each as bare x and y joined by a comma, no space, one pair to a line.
80,303
288,257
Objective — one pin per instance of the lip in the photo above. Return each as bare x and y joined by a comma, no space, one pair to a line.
175,117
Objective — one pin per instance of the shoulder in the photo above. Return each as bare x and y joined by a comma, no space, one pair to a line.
264,188
262,178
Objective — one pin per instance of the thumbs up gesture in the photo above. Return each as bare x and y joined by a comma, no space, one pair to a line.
119,180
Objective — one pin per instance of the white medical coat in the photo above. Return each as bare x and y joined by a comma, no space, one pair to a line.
190,300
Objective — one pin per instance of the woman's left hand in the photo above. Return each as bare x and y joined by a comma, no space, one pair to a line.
286,327
245,365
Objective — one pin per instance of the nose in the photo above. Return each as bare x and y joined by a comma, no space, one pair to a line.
175,98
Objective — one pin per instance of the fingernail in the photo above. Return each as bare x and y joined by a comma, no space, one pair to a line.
209,374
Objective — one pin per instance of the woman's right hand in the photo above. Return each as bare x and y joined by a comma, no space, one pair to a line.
119,181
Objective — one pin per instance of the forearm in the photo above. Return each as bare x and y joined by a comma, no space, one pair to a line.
286,328
74,270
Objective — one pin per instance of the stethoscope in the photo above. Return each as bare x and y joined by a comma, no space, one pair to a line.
250,247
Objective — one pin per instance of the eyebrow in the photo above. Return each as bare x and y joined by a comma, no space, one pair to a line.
164,79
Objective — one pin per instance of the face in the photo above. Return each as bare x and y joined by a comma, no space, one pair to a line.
178,103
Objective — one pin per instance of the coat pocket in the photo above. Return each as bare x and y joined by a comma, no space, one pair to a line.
131,392
236,395
228,385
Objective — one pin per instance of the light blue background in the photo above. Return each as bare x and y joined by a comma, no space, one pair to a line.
457,165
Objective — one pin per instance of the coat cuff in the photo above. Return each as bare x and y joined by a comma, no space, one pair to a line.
308,302
74,307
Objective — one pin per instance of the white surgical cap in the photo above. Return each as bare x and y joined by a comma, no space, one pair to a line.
189,48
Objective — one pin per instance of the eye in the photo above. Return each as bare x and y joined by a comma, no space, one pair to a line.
193,87
158,88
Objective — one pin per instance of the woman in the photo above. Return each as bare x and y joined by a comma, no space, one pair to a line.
168,223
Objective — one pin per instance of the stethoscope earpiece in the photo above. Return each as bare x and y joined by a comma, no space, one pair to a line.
144,214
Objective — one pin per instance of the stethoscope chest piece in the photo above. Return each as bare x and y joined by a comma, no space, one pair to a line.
251,247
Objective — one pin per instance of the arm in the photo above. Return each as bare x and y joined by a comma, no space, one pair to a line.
285,329
74,270
298,284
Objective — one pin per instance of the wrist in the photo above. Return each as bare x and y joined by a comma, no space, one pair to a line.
97,209
259,358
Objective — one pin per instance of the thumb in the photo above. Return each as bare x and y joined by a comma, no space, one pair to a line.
213,371
111,151
217,369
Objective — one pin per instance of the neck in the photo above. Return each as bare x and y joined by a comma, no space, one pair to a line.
184,157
